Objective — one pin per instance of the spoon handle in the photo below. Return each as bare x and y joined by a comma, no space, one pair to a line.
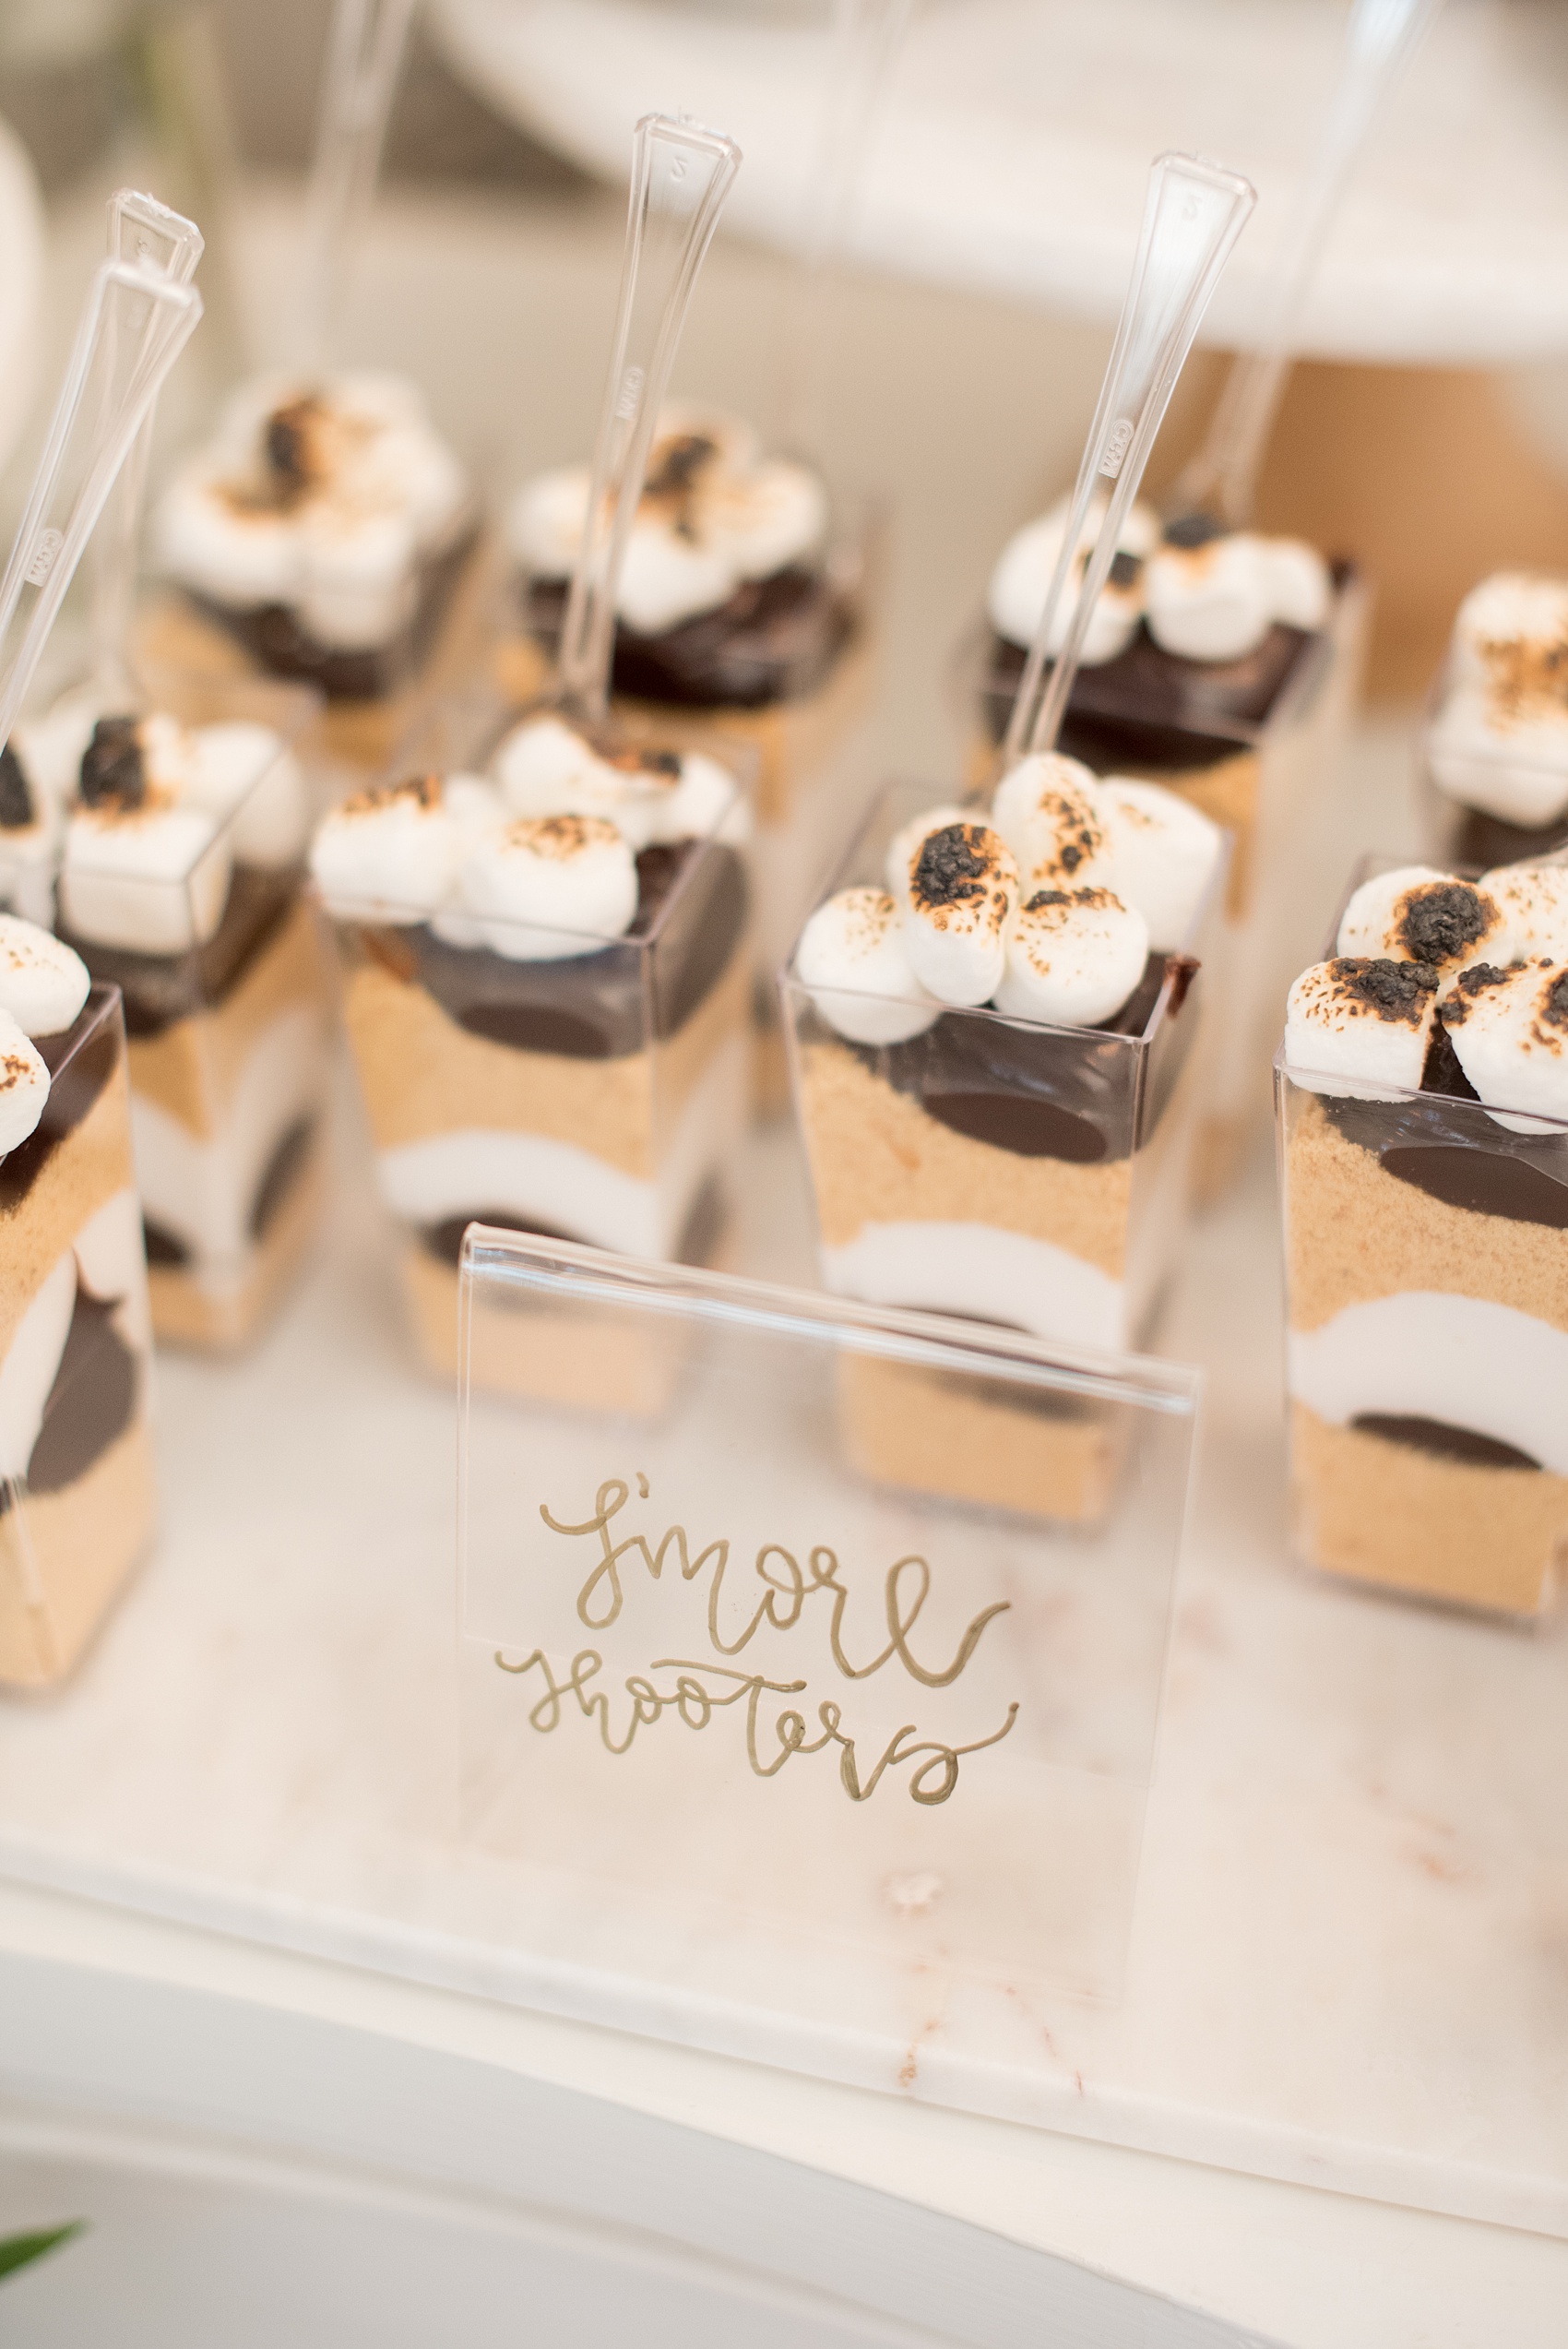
1381,37
144,234
1193,213
363,60
135,323
681,175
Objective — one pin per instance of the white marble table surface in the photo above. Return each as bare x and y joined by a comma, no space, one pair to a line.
1349,1959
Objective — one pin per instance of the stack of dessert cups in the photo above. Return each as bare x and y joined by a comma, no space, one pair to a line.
1222,663
997,1017
547,962
1495,745
77,1478
325,534
160,823
1423,1150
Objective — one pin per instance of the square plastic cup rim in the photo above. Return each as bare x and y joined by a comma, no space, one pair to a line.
790,983
588,1275
1338,1087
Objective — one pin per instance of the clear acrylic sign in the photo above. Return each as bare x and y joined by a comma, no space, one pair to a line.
788,1625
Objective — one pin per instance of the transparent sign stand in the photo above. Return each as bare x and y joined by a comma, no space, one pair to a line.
806,1646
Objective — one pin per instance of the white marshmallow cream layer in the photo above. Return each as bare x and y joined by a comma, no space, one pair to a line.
979,1270
1464,1362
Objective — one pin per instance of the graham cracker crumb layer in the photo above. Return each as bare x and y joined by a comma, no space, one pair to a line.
193,1067
961,1440
64,1557
877,1157
1386,1512
423,1074
1353,1232
86,1167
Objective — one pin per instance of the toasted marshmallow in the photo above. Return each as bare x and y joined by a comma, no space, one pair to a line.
1503,753
1509,1030
1534,903
247,771
1164,854
43,983
548,768
907,841
548,887
1074,957
24,1084
30,830
1209,600
390,854
712,516
1298,582
1360,1027
853,961
963,886
1048,812
1417,915
1021,581
1509,611
150,875
324,498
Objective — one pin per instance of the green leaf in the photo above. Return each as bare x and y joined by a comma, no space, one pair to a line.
20,2250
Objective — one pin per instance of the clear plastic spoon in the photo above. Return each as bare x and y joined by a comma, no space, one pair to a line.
1194,214
863,45
1224,474
135,323
148,235
365,58
681,175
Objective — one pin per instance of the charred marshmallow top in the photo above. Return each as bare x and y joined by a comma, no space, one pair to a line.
536,862
1360,1025
161,814
1036,913
715,513
1499,742
325,497
1509,1030
1207,593
43,988
1416,914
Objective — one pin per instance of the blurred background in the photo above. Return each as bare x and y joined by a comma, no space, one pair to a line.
961,345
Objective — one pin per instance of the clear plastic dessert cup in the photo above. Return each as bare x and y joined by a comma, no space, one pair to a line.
1007,1171
1245,740
547,1079
325,535
784,666
1426,1250
77,1477
180,865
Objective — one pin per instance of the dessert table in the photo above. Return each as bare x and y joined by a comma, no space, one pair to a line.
262,2025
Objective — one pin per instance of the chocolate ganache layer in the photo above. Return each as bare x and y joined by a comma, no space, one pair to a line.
1046,1092
273,636
92,1401
1443,1440
1150,707
1436,1149
80,1061
161,988
692,903
774,639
